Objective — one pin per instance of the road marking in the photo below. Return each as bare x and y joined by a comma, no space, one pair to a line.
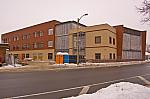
144,80
50,92
84,90
43,93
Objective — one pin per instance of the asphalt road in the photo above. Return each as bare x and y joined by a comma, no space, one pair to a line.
66,83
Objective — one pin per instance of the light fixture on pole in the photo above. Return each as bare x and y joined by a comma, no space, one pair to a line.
78,36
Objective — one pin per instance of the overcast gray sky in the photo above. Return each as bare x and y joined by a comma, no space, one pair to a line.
17,14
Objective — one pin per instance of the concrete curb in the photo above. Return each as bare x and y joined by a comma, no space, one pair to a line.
58,67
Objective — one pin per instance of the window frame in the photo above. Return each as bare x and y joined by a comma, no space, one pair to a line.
97,56
41,33
114,56
50,31
50,43
114,41
50,56
110,56
97,39
110,40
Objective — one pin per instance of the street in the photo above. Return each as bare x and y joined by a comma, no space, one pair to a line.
67,83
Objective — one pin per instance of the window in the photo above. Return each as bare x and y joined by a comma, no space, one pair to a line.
97,55
50,43
24,37
35,34
114,41
24,46
14,38
17,38
15,56
35,45
41,45
40,56
97,39
41,33
34,56
50,31
110,55
110,40
114,56
27,55
50,56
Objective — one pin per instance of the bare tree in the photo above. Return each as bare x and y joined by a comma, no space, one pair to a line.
145,10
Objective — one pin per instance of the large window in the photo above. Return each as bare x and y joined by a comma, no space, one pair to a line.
97,56
50,31
50,56
97,39
50,43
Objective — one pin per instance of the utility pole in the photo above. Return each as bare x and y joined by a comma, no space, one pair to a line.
78,37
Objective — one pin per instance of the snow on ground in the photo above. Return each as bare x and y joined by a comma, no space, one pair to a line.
122,90
11,66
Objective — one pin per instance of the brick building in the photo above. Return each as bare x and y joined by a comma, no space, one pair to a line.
131,43
98,42
3,48
37,42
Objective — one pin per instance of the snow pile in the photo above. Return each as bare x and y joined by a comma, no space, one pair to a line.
11,66
123,90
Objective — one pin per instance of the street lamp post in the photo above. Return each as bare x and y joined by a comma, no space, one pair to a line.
78,36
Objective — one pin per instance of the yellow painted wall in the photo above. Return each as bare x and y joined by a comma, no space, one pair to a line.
105,31
90,52
35,54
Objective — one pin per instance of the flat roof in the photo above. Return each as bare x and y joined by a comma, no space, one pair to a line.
71,22
31,26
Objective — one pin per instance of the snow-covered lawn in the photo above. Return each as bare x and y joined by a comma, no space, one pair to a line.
122,90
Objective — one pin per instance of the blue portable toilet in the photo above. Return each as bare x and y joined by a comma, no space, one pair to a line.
66,57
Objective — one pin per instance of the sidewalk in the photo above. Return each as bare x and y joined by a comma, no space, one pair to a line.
44,66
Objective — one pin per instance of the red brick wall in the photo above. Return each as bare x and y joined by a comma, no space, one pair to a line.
30,30
119,35
143,44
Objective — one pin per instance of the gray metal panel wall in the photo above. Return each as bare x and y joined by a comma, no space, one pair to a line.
135,42
131,55
126,41
131,46
61,35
